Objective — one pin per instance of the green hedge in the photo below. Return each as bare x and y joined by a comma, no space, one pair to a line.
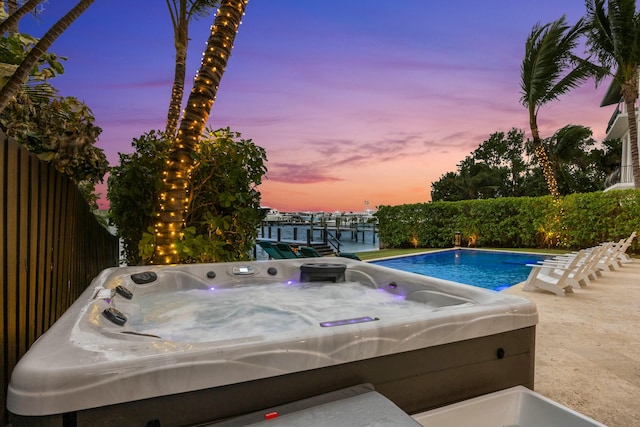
573,222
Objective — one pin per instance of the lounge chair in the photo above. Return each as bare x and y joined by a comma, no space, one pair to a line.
609,252
598,259
271,249
349,255
308,252
618,252
546,277
622,255
286,250
580,273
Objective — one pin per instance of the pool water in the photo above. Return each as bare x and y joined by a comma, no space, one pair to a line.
485,269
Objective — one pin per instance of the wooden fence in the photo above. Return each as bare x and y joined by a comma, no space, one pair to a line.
51,247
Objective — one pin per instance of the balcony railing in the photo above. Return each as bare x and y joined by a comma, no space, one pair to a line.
622,175
613,117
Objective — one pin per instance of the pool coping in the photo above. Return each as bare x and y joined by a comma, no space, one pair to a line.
457,248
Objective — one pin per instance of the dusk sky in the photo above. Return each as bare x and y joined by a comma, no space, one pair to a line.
354,100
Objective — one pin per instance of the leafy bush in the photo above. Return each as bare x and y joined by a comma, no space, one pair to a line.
59,130
132,191
223,219
224,214
575,221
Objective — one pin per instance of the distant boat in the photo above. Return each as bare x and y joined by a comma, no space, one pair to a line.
274,215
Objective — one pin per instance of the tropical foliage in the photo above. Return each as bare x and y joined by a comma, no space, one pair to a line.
14,12
580,164
208,204
60,130
181,13
224,215
550,69
175,194
132,190
224,211
502,166
614,38
22,72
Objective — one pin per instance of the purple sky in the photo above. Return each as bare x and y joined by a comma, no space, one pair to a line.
353,100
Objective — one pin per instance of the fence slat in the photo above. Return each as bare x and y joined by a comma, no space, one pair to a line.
23,251
32,250
50,237
12,310
4,362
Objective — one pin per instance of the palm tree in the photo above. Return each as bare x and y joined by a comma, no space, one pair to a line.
613,35
182,11
570,154
15,14
549,70
174,196
14,84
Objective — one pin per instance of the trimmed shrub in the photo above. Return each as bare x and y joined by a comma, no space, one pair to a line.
572,222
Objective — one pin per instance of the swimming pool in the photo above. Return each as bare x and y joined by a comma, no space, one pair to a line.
486,269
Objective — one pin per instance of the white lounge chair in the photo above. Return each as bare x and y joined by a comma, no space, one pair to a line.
553,277
581,272
609,255
596,260
622,247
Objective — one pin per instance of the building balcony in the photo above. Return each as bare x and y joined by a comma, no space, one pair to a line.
618,124
621,179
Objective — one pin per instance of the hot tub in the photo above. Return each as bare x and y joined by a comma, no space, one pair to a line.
188,344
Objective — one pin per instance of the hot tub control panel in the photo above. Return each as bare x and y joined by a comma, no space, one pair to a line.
245,270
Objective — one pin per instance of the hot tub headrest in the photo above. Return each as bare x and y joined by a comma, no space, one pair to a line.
144,277
322,272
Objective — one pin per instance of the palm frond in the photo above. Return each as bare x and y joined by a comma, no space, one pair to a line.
550,68
545,60
621,19
571,80
599,35
202,8
613,36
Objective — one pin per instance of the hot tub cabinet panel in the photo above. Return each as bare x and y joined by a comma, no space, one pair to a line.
90,370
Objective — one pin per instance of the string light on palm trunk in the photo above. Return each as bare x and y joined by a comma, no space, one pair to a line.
177,176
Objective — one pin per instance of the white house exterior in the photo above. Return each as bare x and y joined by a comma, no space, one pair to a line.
619,128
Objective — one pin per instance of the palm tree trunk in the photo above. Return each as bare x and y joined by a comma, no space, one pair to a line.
11,23
630,94
543,161
21,74
177,91
175,195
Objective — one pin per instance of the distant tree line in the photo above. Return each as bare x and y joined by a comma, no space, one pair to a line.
504,166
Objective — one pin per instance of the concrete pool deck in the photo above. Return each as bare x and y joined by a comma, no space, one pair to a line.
588,347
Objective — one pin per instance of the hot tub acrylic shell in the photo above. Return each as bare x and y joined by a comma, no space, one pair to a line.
468,342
